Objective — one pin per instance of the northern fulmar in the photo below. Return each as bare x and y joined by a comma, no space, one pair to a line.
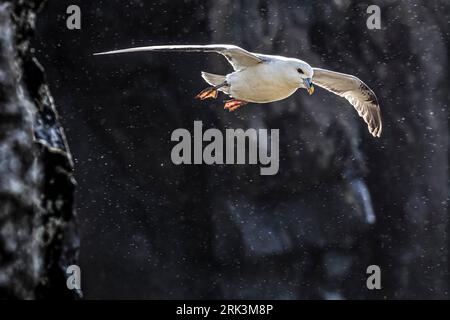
262,78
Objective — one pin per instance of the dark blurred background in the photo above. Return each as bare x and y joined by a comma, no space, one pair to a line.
150,229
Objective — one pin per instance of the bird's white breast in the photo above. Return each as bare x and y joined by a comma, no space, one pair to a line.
265,82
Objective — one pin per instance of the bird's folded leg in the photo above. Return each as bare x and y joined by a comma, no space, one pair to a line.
233,104
210,92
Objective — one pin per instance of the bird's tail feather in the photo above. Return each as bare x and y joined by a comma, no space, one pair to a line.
213,79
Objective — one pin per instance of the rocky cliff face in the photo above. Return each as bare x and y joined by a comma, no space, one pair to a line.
340,202
38,238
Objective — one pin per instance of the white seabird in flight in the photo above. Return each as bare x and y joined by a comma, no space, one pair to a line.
262,78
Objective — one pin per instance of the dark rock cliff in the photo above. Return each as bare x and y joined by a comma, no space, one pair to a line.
38,237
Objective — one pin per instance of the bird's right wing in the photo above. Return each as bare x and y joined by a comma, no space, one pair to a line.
236,56
356,92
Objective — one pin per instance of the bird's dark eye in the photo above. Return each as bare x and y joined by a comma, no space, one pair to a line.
300,71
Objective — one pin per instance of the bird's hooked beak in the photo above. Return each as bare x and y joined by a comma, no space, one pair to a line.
309,85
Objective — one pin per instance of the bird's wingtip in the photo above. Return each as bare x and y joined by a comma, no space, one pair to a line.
376,133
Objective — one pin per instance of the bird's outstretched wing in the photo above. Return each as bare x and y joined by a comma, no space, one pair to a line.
356,92
236,56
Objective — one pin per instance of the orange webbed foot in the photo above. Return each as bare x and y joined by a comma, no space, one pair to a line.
233,104
207,93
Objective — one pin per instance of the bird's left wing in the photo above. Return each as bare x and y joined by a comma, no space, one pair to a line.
236,56
356,92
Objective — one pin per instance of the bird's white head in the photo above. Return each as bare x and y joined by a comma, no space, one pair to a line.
301,73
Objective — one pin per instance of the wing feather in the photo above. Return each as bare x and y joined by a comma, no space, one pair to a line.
236,56
360,96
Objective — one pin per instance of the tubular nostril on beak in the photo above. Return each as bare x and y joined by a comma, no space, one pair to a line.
309,85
